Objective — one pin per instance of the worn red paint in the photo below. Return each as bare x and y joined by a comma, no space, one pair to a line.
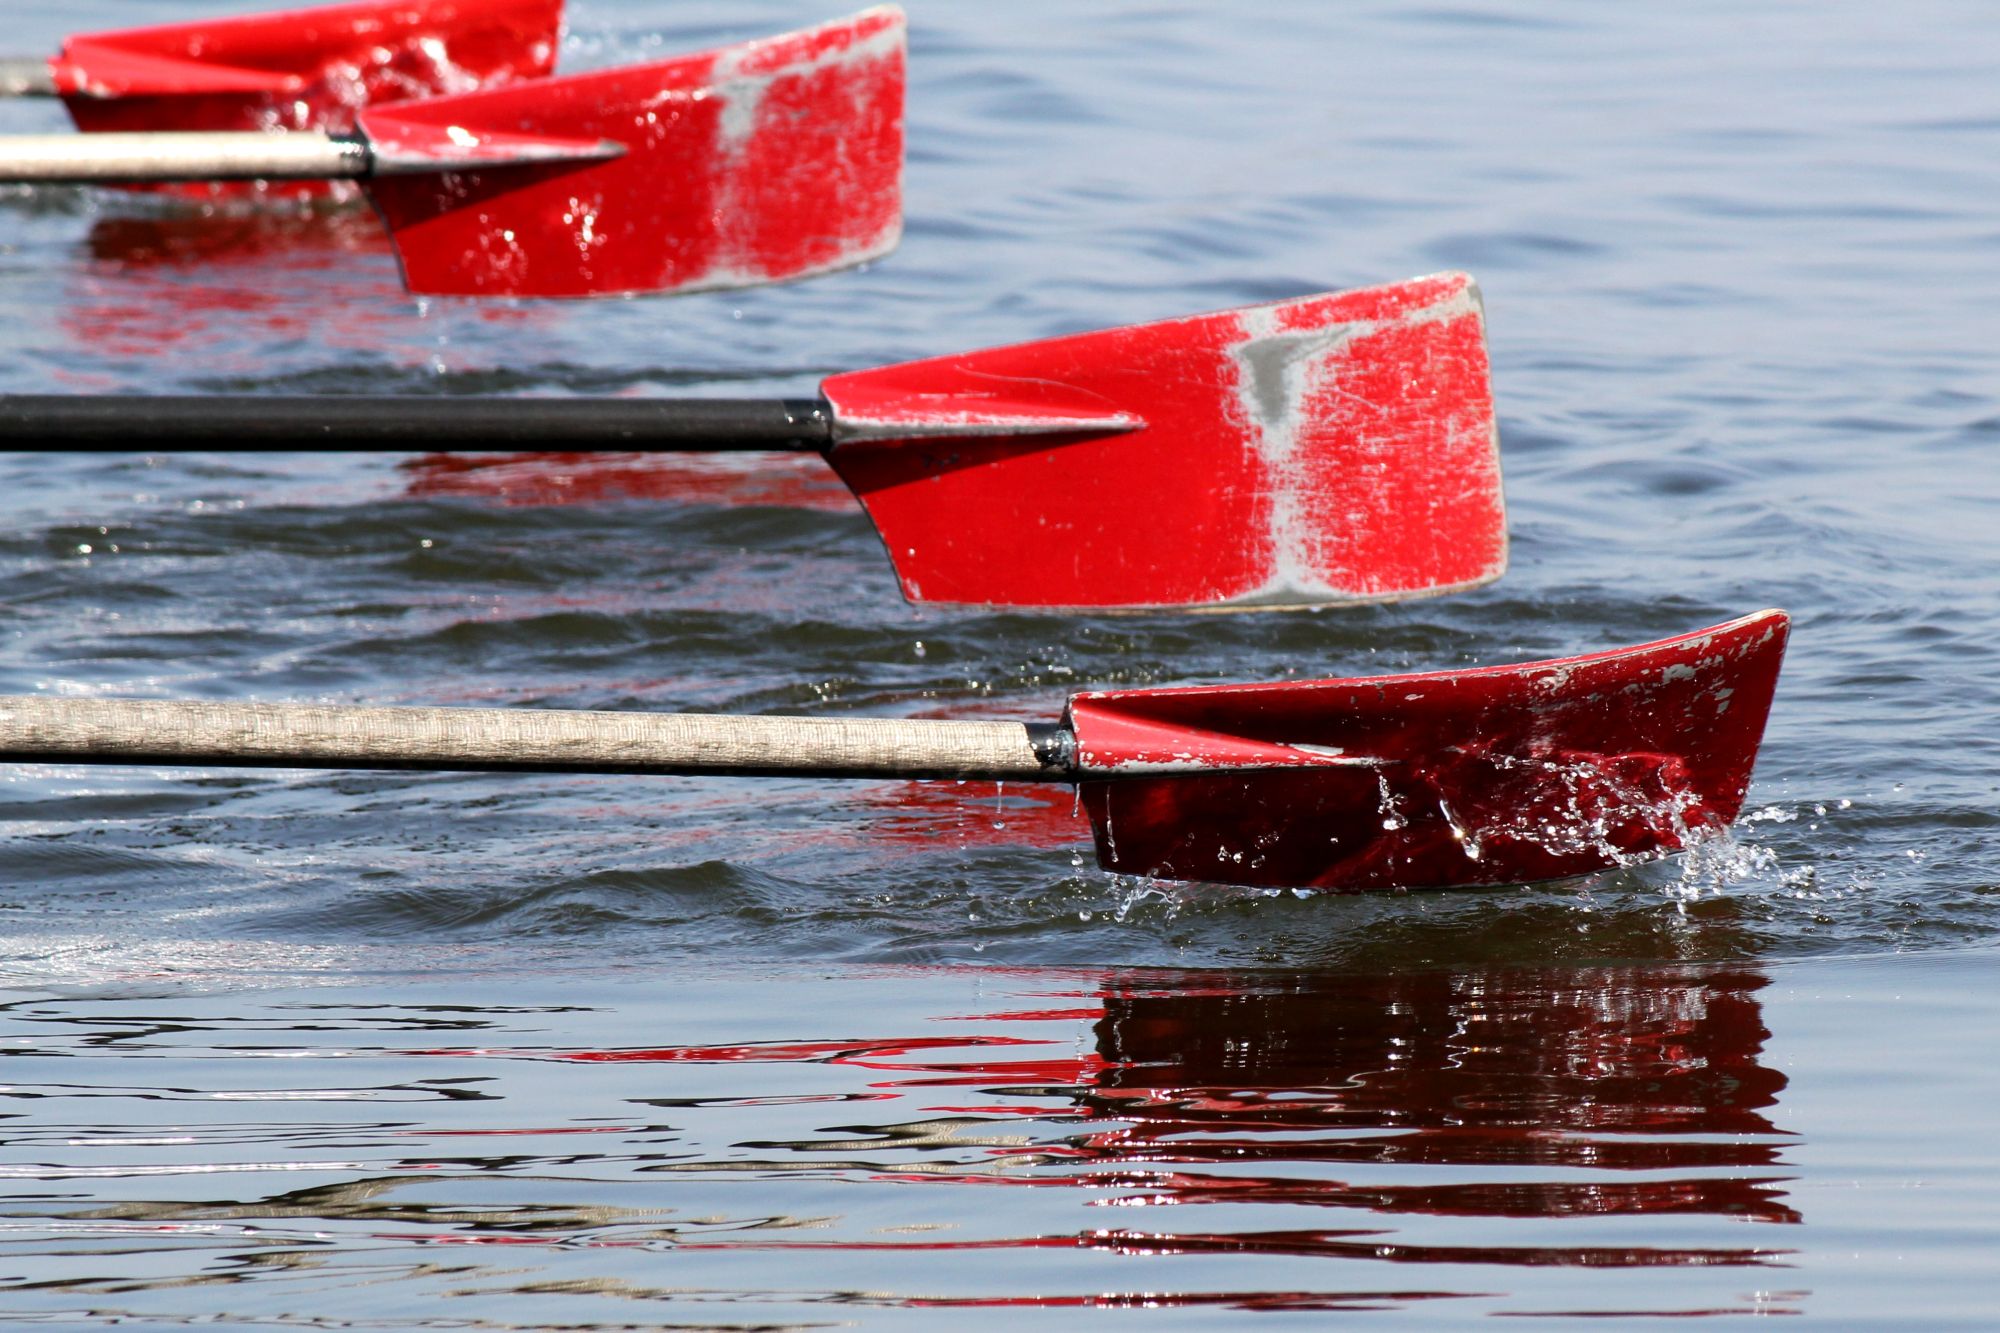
308,69
761,162
223,284
1334,448
1496,775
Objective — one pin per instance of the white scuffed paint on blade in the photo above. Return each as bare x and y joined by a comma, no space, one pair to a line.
1277,369
743,96
744,93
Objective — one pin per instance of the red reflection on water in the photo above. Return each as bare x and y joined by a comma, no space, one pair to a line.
971,814
927,815
869,1055
234,281
863,1054
1326,1302
1522,1095
559,478
1358,1243
1640,1069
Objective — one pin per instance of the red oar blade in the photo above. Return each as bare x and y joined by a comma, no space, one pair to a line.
302,69
1497,775
1332,449
767,161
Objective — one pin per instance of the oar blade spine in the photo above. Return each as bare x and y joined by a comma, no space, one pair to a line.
447,152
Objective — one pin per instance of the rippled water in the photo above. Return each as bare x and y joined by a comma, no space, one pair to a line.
374,1050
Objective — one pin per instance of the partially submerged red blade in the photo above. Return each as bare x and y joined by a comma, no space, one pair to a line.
1496,775
771,160
302,69
1336,448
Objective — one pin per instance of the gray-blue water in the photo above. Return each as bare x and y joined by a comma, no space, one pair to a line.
384,1051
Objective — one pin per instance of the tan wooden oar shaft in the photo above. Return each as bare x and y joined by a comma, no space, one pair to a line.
81,159
225,735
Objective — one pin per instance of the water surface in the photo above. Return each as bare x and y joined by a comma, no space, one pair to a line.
381,1050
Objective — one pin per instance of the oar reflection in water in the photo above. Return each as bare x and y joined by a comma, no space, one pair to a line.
1520,1095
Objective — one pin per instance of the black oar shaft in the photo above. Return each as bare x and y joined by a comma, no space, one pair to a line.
26,76
59,421
38,728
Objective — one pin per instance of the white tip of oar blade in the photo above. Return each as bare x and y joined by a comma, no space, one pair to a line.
1331,449
763,162
1492,775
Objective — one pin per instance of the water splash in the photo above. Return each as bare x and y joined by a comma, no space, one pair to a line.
1391,805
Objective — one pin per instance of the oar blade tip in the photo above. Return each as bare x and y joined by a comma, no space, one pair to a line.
1331,449
763,162
1497,775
